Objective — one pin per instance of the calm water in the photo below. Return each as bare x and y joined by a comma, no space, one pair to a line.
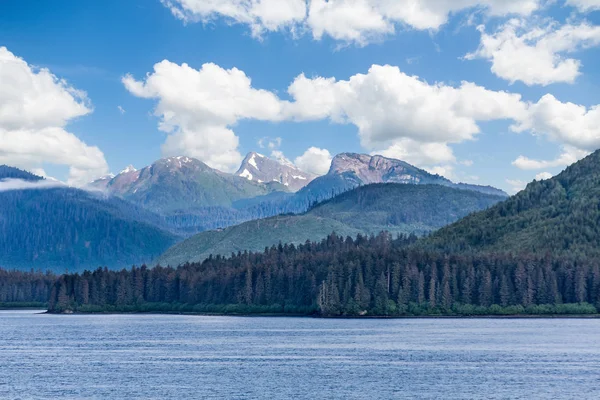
180,357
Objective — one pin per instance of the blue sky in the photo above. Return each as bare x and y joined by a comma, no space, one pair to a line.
109,49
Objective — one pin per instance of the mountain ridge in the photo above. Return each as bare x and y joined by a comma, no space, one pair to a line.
369,209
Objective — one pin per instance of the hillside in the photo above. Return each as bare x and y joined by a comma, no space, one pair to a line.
560,215
64,228
397,208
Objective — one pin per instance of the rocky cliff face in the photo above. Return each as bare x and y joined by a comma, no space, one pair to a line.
259,168
378,169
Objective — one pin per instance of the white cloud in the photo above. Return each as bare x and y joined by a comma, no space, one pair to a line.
349,21
417,153
19,184
270,143
567,157
543,176
315,161
536,55
121,109
260,15
516,185
198,107
585,5
567,123
280,157
402,116
396,115
35,106
361,21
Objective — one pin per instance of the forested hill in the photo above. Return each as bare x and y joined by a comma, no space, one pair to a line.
65,228
560,215
370,209
343,276
7,172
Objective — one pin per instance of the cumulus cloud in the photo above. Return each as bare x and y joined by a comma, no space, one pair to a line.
516,185
568,123
585,5
350,21
396,115
567,157
536,55
402,116
260,15
35,106
543,176
418,153
198,107
315,161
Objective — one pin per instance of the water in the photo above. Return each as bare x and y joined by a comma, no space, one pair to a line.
181,357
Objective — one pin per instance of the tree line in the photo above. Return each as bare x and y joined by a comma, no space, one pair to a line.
25,288
373,276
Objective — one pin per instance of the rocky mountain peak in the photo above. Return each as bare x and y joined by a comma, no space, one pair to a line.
127,170
378,169
259,168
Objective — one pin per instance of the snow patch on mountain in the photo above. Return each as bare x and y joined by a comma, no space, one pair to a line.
259,168
252,162
246,174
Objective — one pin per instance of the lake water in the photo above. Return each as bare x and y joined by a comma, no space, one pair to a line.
188,357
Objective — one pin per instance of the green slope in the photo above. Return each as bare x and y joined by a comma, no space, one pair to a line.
64,228
397,208
559,215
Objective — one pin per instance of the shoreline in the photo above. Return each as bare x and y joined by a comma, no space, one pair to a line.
380,317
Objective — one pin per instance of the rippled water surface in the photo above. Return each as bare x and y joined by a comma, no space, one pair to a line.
184,357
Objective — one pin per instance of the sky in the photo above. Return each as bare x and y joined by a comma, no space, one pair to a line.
492,92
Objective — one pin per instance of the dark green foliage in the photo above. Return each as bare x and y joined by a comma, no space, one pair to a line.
372,276
71,229
7,172
559,216
25,289
397,208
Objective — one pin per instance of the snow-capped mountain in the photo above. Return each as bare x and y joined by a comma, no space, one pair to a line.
349,170
182,183
259,168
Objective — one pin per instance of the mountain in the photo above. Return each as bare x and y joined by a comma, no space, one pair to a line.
397,208
560,215
59,228
350,170
259,168
177,184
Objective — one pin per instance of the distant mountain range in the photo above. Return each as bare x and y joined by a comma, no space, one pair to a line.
136,215
370,209
192,197
181,184
258,168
